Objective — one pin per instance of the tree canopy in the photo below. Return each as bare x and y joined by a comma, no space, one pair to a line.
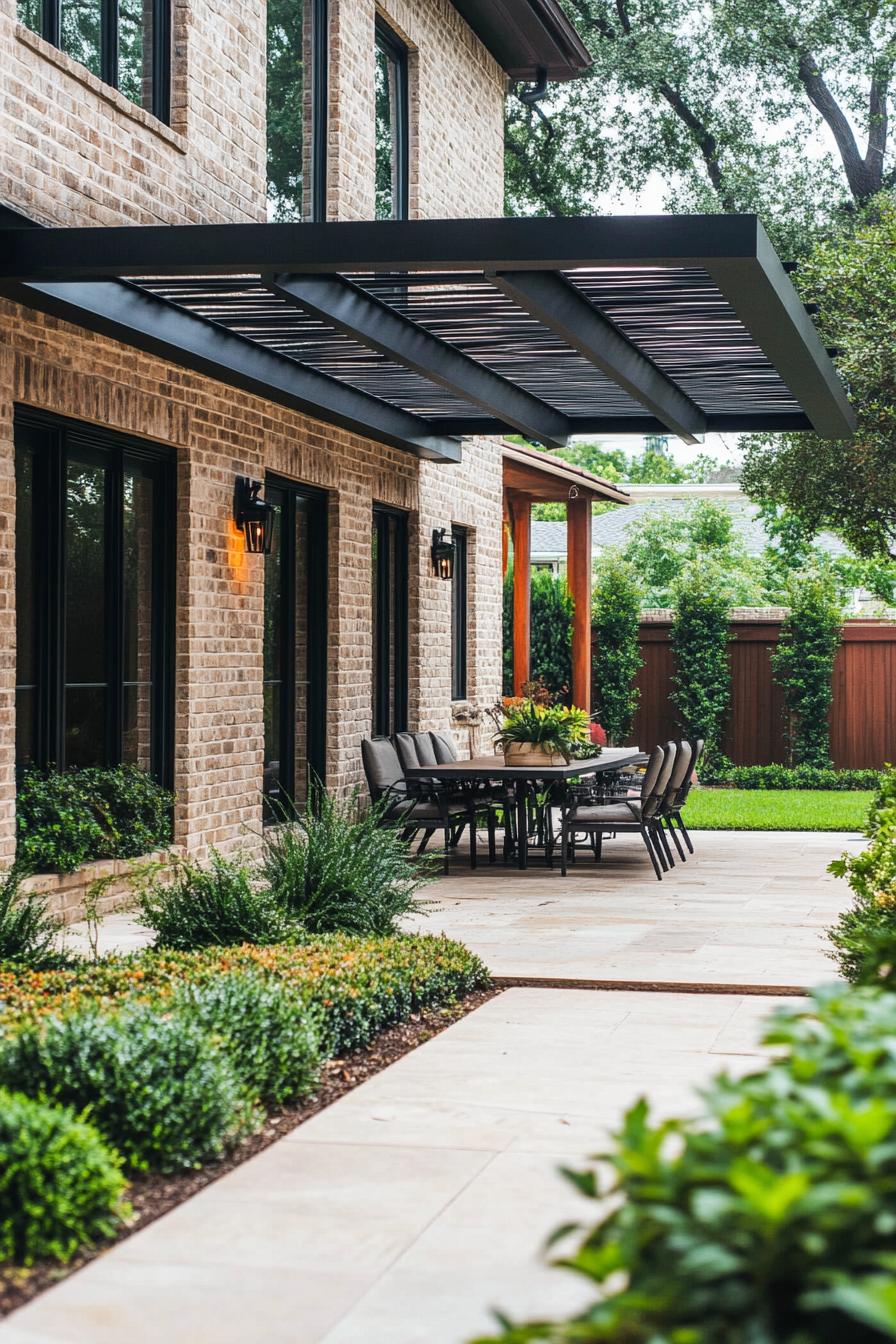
848,485
777,106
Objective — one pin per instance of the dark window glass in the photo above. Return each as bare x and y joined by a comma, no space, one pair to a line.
391,109
296,108
126,43
390,621
294,647
459,616
94,537
26,611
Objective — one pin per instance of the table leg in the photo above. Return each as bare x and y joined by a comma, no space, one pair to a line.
522,825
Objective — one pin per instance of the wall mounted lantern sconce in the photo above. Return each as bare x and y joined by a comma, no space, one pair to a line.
253,516
443,550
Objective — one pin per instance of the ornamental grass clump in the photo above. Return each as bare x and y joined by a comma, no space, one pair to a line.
61,1185
28,934
219,904
338,869
771,1218
157,1085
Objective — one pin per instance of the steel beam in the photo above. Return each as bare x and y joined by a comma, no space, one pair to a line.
350,309
148,323
558,305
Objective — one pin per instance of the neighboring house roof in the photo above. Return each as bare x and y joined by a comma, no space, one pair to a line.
527,37
612,528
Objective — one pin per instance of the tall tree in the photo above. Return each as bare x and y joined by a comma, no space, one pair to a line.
728,101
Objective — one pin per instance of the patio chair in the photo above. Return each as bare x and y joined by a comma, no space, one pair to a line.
413,813
681,772
445,748
674,817
491,797
635,816
431,799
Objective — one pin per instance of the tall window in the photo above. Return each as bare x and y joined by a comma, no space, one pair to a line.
125,43
297,109
390,621
94,535
295,642
459,616
391,99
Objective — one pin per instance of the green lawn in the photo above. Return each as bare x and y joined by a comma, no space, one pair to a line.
775,810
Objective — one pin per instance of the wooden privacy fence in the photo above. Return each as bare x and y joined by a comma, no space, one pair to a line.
863,713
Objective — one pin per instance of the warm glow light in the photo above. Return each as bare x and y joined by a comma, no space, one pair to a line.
253,515
442,555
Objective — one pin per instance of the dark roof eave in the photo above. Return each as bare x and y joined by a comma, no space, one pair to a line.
528,36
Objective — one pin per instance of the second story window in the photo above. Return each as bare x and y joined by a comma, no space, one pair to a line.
391,93
125,43
297,109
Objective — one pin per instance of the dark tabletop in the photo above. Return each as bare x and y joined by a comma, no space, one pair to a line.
493,767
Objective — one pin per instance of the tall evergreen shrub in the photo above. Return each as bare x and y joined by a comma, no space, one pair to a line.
701,683
803,666
550,627
616,614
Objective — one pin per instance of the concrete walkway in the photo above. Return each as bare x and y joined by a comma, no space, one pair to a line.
404,1212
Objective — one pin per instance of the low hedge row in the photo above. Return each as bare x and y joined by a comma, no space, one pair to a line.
864,932
175,1055
793,777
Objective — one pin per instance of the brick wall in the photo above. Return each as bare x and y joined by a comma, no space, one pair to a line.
73,152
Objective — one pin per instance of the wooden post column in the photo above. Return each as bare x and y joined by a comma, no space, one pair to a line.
578,564
522,565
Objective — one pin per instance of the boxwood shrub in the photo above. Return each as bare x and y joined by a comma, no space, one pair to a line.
157,1085
793,777
61,1185
64,819
771,1219
865,933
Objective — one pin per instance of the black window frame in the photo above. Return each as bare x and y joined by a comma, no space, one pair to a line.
392,600
320,75
49,437
51,31
387,41
290,492
459,613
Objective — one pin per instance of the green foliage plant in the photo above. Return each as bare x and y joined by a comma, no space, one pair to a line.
507,633
558,727
156,1085
265,1029
65,819
550,625
701,683
61,1185
338,868
663,544
616,614
864,937
794,777
769,1218
803,666
351,987
220,903
28,934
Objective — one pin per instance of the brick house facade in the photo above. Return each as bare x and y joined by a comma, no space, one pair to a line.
74,151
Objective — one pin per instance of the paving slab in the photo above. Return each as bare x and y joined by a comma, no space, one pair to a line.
415,1204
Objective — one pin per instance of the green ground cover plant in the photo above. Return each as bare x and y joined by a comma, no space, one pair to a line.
337,868
61,1185
766,1220
864,937
64,819
775,810
28,934
216,904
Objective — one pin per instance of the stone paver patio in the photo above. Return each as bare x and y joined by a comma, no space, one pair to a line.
404,1212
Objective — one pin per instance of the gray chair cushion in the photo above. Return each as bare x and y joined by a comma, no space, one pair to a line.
426,754
407,751
683,758
382,767
606,813
444,747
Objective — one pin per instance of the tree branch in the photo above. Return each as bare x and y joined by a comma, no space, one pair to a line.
864,175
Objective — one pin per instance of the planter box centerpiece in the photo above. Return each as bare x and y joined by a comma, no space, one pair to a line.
536,734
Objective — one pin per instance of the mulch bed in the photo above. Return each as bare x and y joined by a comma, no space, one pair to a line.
153,1195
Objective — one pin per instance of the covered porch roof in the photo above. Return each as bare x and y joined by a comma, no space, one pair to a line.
532,477
416,333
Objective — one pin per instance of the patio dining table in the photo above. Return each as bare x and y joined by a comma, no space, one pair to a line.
522,777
